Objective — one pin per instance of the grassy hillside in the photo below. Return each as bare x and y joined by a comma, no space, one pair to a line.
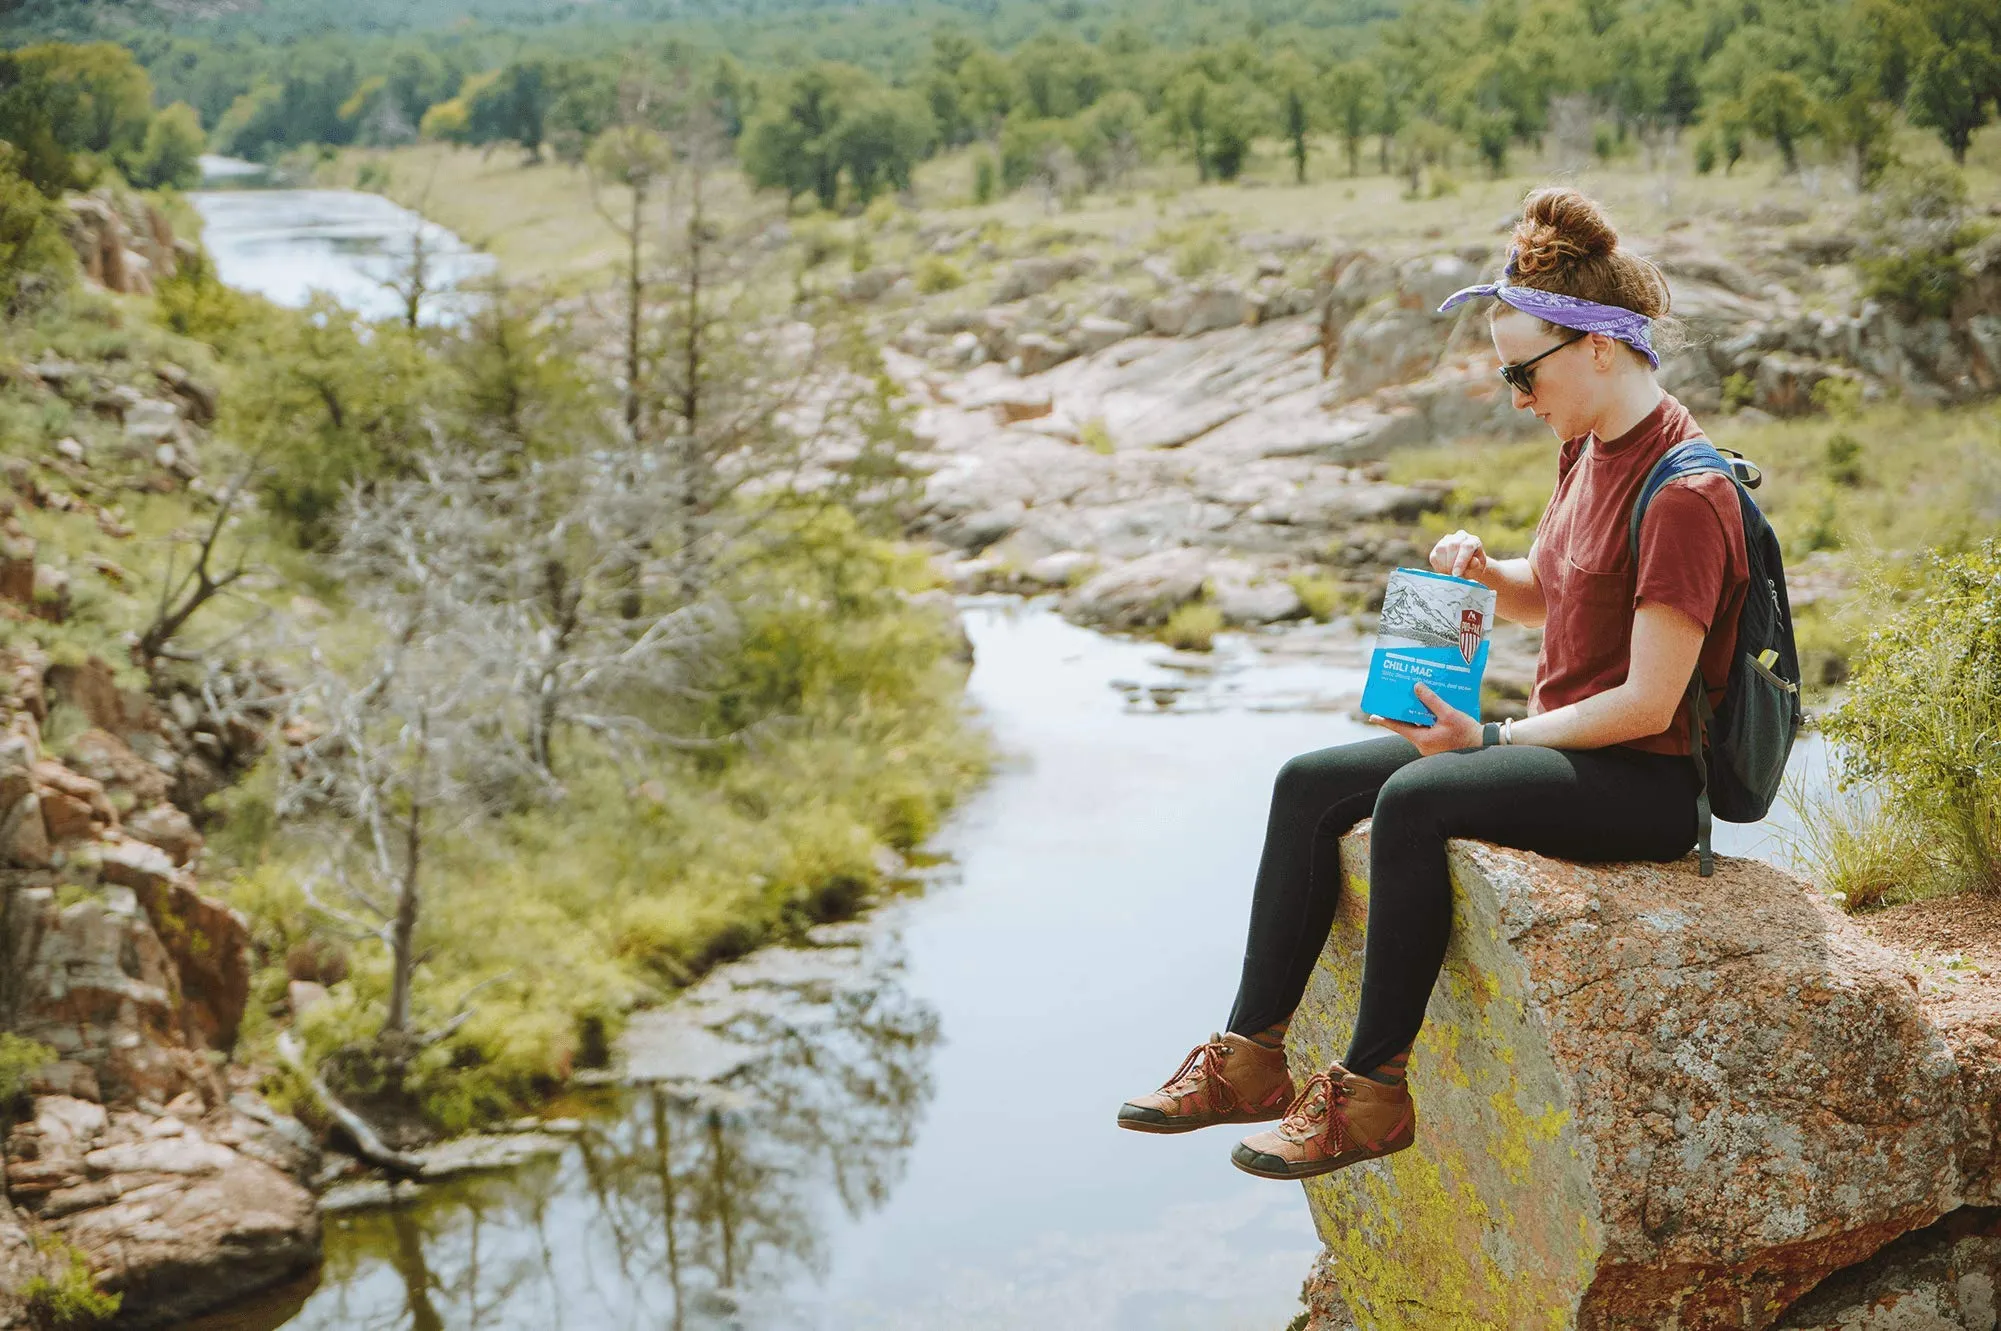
541,220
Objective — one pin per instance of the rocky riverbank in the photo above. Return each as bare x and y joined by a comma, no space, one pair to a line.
141,1148
1101,426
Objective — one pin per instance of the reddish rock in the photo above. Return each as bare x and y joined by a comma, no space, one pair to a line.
167,827
1645,1099
92,690
93,982
66,817
108,760
209,943
24,835
17,565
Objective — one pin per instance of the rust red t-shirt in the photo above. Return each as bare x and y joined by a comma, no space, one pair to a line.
1691,557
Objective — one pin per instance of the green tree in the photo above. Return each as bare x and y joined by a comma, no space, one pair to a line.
1238,114
1190,102
793,142
883,134
171,153
1951,89
1924,710
513,107
33,255
942,90
988,92
337,402
1777,106
106,98
1107,138
1294,79
1353,91
30,110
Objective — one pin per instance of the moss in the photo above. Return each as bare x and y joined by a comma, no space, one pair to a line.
67,1299
1414,1234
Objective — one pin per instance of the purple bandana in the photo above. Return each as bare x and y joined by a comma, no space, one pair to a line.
1566,311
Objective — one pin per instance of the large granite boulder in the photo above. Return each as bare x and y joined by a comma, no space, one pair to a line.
1645,1099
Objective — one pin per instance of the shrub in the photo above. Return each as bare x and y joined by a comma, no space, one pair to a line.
1320,594
1923,716
20,1060
935,273
1738,392
1910,256
986,177
1844,458
1193,627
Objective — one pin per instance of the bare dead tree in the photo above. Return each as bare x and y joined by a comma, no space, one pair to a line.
200,583
415,278
632,156
528,569
381,769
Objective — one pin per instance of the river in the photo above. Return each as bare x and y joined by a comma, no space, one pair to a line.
910,1122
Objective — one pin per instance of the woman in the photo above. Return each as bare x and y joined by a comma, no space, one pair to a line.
1597,770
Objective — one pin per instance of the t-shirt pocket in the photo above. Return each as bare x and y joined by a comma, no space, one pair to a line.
1589,619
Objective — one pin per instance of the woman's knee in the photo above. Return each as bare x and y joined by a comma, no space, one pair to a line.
1296,780
1415,791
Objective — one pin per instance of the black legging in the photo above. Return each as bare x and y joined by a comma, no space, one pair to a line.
1587,804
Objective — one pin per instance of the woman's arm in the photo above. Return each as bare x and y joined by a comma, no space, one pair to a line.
1518,595
1665,645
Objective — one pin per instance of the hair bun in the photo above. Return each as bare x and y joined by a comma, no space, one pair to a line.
1560,227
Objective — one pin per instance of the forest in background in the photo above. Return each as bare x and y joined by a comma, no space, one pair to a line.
842,103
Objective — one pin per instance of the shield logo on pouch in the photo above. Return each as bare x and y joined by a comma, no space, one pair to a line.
1469,634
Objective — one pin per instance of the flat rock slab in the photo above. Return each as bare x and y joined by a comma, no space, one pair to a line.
1645,1099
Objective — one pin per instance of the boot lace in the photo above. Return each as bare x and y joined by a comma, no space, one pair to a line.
1312,1113
1205,1064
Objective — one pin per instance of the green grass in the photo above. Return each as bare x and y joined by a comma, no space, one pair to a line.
541,222
1192,627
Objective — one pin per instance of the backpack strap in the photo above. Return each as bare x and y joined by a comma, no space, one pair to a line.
1686,459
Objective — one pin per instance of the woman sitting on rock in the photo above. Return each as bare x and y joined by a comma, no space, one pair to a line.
1597,770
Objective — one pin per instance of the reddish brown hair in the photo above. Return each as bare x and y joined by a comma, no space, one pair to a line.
1564,242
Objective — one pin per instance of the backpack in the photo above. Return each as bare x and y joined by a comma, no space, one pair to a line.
1739,748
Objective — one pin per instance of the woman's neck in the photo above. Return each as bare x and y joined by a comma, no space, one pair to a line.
1634,402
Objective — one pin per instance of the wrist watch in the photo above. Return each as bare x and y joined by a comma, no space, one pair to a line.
1490,734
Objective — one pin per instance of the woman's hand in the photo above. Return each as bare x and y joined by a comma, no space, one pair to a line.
1461,554
1449,729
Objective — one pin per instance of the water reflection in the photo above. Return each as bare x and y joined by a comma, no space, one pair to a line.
678,1200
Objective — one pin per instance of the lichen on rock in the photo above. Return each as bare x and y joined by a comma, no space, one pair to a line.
1645,1099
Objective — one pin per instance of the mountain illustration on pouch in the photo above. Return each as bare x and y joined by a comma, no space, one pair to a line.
1432,631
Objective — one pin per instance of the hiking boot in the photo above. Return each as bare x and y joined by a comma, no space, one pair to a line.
1339,1119
1230,1079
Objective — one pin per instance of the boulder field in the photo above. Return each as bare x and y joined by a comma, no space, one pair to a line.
1650,1100
1099,410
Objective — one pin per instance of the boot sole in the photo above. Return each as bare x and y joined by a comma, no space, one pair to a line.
1192,1123
1247,1161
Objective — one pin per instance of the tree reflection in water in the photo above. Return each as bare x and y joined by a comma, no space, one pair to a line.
672,1212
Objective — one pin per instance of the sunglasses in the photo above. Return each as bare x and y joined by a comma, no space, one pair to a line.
1517,375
